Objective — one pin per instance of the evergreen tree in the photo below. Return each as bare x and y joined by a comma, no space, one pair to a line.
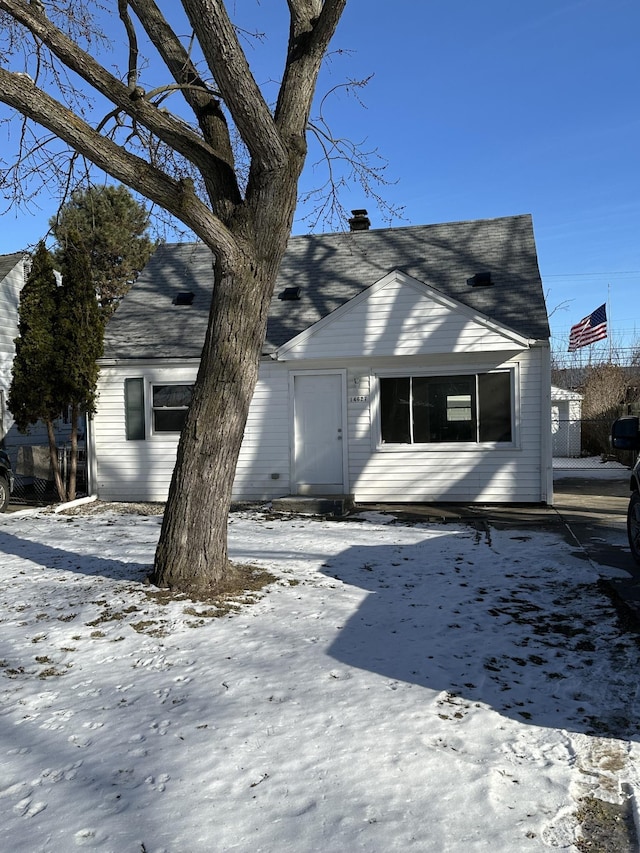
79,334
55,367
33,393
113,227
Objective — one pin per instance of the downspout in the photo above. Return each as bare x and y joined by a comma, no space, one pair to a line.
546,468
92,472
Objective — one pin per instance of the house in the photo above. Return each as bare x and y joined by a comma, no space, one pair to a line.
400,364
29,452
14,269
566,422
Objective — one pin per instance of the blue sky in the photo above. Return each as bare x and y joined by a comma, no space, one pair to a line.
491,109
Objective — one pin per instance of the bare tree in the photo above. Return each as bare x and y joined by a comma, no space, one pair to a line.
604,389
187,167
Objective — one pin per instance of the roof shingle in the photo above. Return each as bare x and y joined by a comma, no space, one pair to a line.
330,269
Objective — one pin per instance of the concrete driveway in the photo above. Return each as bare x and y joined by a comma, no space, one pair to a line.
590,513
596,512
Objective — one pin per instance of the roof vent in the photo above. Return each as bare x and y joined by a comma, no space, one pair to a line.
360,221
289,294
186,297
480,279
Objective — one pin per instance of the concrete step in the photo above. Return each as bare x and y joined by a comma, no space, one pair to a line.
336,505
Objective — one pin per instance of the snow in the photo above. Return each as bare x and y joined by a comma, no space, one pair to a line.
424,687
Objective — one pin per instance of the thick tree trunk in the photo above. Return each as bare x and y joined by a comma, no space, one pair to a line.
192,551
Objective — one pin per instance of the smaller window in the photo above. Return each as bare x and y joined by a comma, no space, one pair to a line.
170,405
134,409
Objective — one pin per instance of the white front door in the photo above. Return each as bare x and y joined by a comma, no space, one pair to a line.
318,452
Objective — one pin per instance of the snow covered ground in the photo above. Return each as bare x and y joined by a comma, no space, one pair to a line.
398,688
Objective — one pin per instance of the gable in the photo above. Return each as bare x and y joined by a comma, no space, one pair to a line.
399,315
330,269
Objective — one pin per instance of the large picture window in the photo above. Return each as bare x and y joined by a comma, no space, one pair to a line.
170,404
435,409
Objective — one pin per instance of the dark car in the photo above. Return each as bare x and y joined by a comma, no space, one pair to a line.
6,480
625,435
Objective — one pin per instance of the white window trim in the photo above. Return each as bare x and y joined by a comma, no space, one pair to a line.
150,382
450,446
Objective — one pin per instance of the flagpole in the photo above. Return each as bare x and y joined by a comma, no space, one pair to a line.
609,328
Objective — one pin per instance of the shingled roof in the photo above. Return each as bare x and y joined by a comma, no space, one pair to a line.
330,269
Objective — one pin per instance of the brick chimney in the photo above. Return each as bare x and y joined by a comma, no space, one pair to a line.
360,221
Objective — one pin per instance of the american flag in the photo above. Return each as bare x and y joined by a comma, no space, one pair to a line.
589,330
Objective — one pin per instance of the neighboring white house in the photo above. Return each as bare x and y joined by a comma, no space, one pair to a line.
14,269
566,422
402,364
29,452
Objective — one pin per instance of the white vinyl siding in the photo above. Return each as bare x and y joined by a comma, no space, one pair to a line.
141,470
464,473
398,327
10,288
133,470
566,414
400,317
264,462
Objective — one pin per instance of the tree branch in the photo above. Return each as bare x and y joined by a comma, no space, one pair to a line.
222,187
309,37
232,74
173,132
177,197
304,10
132,71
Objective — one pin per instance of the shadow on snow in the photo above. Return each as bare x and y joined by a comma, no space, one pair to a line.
91,564
541,645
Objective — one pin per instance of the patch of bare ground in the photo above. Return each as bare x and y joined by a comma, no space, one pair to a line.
605,827
241,585
244,586
154,508
98,507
